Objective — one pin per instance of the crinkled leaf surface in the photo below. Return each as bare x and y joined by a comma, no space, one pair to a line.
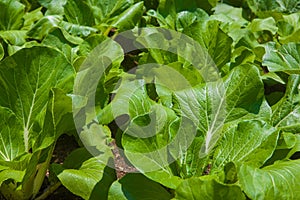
285,58
250,142
26,79
211,37
266,7
277,181
214,104
11,135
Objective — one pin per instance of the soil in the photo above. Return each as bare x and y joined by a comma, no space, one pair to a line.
122,166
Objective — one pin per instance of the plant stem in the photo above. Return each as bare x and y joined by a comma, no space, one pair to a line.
49,191
42,169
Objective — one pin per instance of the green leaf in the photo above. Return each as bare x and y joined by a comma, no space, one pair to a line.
81,181
54,7
26,79
78,30
288,28
90,43
286,111
129,18
78,12
277,181
251,142
59,119
11,174
11,15
31,17
211,37
185,19
211,105
266,7
296,148
44,26
268,24
205,188
10,136
135,187
14,37
285,58
1,52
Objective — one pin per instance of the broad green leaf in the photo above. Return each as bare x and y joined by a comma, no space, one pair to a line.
135,187
62,41
154,154
244,91
211,37
82,179
54,7
207,188
59,119
147,130
18,176
296,148
78,30
185,19
286,140
108,55
232,20
288,28
251,142
207,5
44,26
283,59
10,136
26,79
10,174
90,43
108,10
263,8
286,111
79,13
176,14
268,24
167,10
81,182
277,181
11,15
129,18
211,105
14,37
31,17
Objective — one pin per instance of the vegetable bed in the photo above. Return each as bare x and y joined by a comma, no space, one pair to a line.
153,99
